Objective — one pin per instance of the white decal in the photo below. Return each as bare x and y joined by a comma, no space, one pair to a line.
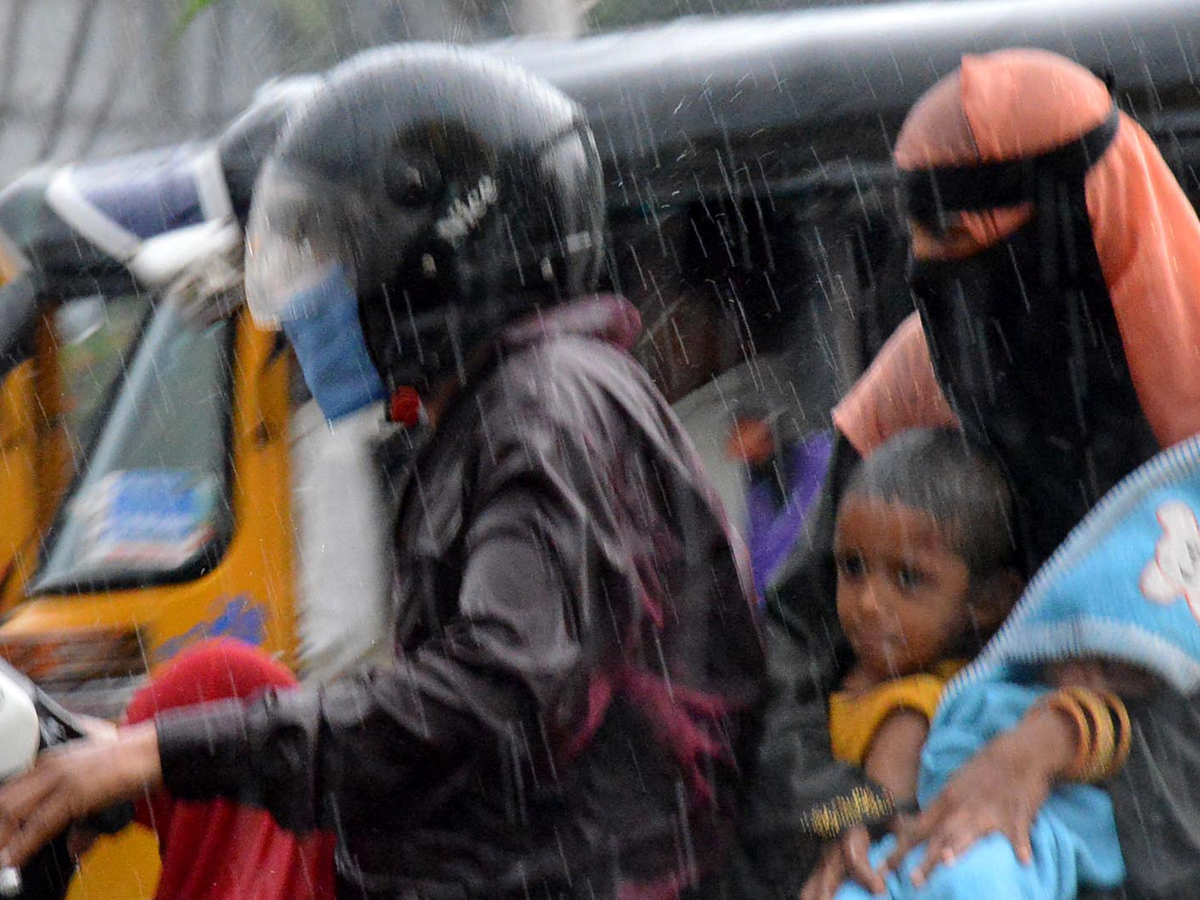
1175,570
464,215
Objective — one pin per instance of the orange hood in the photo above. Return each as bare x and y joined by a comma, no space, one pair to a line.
1014,104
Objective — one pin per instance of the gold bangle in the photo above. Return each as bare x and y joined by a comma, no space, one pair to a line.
1103,745
1059,700
1124,737
859,807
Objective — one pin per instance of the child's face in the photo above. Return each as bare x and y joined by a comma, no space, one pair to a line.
901,589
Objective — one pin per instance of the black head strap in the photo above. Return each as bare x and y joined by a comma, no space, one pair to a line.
931,193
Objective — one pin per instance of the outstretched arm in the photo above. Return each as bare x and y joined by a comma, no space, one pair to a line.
350,749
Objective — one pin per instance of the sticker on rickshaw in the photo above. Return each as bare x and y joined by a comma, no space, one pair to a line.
152,518
240,618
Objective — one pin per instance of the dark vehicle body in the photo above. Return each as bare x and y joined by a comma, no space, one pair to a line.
752,202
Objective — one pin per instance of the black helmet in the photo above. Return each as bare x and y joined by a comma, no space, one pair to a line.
452,193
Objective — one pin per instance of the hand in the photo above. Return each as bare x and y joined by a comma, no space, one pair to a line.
1001,789
72,781
843,858
99,730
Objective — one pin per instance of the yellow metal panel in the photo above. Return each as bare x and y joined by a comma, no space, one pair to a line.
18,481
123,867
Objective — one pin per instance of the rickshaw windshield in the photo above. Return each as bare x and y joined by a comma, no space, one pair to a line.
151,505
94,336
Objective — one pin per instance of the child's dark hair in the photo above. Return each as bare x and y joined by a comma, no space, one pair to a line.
938,471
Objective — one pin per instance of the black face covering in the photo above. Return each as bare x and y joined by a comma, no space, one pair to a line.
1024,340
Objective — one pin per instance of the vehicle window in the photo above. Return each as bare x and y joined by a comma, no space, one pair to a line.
93,339
758,315
797,291
152,500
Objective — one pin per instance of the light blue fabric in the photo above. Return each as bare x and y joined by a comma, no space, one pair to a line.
1074,836
1125,585
323,327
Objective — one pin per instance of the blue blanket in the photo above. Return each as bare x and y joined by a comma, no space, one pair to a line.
1125,584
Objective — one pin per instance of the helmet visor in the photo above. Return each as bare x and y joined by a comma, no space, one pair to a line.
292,245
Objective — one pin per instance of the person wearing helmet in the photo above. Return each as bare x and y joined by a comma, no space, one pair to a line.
1055,269
576,646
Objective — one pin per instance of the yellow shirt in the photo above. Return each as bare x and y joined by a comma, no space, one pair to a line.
854,718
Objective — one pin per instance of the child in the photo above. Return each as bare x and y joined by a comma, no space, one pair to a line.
1115,611
924,552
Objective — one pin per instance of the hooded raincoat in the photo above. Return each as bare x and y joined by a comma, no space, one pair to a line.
576,645
1000,107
